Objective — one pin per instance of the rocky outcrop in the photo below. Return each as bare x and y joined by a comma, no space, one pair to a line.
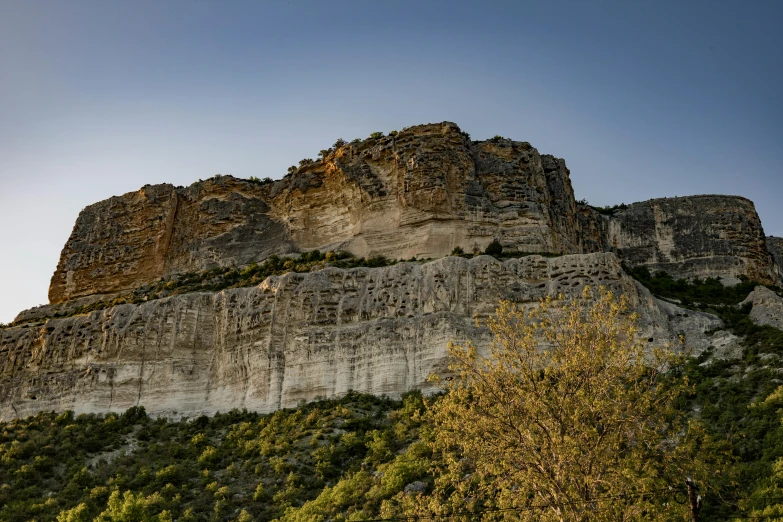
139,237
421,192
775,248
427,190
767,307
695,236
297,337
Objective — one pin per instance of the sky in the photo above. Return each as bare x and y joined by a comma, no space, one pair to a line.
643,99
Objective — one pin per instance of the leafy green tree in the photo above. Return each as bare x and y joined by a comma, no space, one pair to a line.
78,514
565,418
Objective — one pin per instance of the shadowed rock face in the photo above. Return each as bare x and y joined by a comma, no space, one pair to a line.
695,236
296,337
775,247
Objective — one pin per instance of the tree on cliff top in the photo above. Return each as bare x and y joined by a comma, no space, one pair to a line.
566,418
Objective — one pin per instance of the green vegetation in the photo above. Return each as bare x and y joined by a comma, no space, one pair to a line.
554,432
698,292
233,466
376,135
265,181
494,249
738,400
609,210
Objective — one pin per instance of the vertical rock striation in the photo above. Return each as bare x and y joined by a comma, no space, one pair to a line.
296,337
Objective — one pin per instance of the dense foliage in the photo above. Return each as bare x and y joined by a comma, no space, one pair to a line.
563,415
608,210
737,399
234,466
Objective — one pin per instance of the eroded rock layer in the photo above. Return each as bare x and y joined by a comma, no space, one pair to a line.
775,247
421,193
695,236
296,337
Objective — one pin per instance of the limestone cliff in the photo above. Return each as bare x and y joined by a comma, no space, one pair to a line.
421,192
159,230
296,337
695,236
775,247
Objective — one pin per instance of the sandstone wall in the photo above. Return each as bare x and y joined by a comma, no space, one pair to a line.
428,190
420,193
295,337
695,236
159,230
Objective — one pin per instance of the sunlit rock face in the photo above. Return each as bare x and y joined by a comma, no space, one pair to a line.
137,238
695,236
297,337
421,193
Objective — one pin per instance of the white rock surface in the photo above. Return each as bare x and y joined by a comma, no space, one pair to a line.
297,337
767,307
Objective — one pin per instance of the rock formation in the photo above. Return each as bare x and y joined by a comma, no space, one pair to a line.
767,307
775,247
297,337
696,236
421,192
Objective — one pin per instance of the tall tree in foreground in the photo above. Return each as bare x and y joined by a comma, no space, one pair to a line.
567,418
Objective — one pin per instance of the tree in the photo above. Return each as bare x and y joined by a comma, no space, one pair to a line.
494,248
566,418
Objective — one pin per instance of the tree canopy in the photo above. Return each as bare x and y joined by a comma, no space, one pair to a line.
566,417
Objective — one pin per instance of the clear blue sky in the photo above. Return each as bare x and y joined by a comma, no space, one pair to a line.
642,98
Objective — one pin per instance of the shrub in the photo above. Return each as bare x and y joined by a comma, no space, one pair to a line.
292,169
494,248
339,143
376,135
457,251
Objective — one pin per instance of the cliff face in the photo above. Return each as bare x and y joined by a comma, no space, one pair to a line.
775,247
696,236
296,337
160,230
428,190
420,193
